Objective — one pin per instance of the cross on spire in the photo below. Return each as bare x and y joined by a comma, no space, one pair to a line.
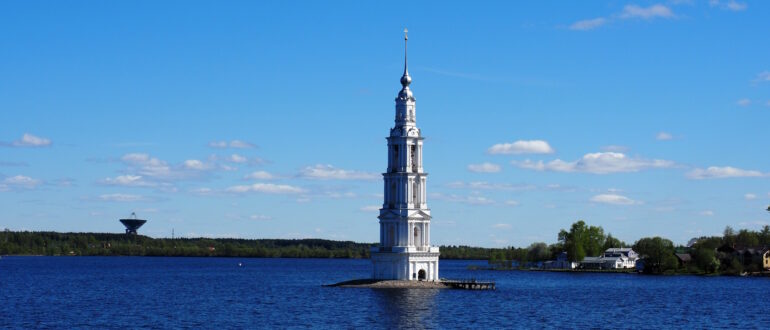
405,79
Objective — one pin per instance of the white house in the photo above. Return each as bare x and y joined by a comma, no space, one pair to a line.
613,258
627,257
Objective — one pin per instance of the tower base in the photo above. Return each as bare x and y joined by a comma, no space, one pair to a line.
406,266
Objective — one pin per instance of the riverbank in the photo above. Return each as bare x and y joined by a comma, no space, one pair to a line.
621,271
618,271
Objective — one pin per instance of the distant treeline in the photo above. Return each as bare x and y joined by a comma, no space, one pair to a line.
101,244
732,253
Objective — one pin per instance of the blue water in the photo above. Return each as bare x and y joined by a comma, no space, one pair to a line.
121,292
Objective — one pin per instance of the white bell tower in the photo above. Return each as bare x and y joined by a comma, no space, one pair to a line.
405,252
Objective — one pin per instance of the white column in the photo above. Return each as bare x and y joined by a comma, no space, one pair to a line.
424,199
410,234
408,157
408,191
422,237
397,202
419,152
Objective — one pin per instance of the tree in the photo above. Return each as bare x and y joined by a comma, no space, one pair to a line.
612,242
746,238
582,240
658,253
538,252
728,236
706,260
764,235
593,242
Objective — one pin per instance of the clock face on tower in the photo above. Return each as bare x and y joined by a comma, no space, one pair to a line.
413,132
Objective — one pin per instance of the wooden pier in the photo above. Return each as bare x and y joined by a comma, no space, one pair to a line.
471,284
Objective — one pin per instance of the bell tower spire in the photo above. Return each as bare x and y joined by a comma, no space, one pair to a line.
405,102
406,79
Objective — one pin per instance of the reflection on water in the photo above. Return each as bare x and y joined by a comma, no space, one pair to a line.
406,308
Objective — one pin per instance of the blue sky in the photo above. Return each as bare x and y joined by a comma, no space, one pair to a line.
268,120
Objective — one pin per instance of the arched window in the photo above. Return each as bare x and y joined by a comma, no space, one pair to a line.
395,157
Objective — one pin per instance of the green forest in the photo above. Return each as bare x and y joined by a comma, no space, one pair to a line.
101,244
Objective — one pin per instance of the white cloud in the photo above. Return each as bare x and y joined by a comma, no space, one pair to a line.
259,175
370,208
121,198
731,5
588,24
18,182
337,194
629,12
749,197
743,102
504,226
267,188
483,185
260,217
195,164
238,144
202,191
242,144
613,199
328,172
716,172
654,11
512,203
707,213
148,166
736,6
521,147
763,76
28,140
128,181
236,158
484,168
473,199
663,136
597,163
